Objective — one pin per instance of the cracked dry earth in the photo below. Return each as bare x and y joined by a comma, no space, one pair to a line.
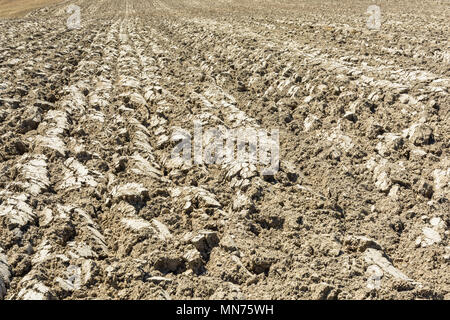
92,206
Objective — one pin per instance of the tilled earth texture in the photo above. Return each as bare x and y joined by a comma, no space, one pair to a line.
94,206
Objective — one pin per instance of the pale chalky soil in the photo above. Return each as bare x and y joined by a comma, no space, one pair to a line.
93,206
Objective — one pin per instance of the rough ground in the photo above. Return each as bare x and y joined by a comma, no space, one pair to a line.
19,8
93,207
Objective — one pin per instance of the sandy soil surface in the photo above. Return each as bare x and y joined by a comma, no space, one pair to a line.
93,205
19,8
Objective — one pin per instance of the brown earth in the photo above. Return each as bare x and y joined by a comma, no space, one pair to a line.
93,206
19,8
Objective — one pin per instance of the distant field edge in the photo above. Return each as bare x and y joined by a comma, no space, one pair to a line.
19,8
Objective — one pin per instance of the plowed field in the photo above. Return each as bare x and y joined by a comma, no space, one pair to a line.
93,204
